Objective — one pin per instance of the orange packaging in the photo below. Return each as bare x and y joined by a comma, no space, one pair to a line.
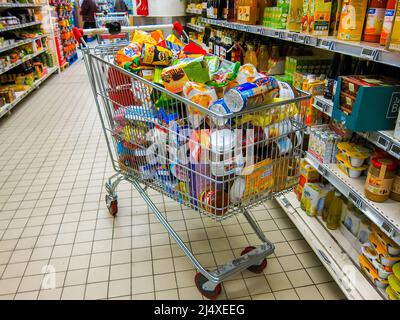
388,21
352,20
260,179
374,20
247,11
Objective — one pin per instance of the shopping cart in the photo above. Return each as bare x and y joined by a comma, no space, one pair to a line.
217,164
103,19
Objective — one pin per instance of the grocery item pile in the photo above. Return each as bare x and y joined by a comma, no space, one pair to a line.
211,133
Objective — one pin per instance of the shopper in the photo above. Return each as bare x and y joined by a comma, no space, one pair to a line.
120,6
88,9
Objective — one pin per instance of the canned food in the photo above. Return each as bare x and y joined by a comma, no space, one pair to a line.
221,108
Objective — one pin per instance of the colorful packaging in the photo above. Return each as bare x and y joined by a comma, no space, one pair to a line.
174,78
247,73
294,17
312,199
352,20
156,55
250,95
374,20
319,13
259,178
388,21
394,43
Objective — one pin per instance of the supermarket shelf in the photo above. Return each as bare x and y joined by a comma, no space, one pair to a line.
20,26
195,27
20,5
21,43
384,140
385,215
335,252
366,50
324,105
21,95
24,59
193,11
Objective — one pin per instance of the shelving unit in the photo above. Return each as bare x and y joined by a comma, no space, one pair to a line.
20,5
21,95
361,49
20,26
385,215
193,11
20,43
195,27
333,249
24,59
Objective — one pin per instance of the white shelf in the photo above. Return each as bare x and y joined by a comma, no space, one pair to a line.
20,5
21,95
385,215
24,59
334,250
195,27
324,105
20,26
21,43
193,11
366,50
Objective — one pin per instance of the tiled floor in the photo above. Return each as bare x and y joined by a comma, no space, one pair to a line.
59,242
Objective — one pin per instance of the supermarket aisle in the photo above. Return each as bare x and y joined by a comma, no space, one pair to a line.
52,169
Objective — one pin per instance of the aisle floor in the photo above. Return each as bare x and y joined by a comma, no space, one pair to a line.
53,218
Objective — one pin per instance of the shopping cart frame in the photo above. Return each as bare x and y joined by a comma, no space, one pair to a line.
208,282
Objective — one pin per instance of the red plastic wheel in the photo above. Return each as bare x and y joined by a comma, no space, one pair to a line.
257,268
112,206
199,280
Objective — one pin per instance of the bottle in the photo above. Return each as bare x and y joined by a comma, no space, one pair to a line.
250,56
215,9
210,9
374,20
263,58
327,203
335,212
204,9
247,11
232,10
217,43
228,44
387,21
222,9
211,42
329,91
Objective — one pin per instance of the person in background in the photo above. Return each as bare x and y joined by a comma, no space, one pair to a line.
88,9
120,6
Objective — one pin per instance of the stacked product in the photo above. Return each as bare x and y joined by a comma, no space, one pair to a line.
64,10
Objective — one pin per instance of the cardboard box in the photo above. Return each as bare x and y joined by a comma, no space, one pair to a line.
295,15
319,14
394,43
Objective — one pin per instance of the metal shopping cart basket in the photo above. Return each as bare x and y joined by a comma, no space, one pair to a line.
103,19
217,164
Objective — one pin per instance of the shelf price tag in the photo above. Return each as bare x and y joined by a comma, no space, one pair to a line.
359,203
387,228
325,44
321,105
276,34
300,38
322,170
307,40
282,35
383,142
368,53
395,150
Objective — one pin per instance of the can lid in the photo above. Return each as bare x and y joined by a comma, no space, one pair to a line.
222,140
380,161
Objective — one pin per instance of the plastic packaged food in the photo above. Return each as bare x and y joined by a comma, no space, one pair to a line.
156,55
174,78
391,247
259,177
250,95
385,258
221,108
390,291
247,73
380,178
345,166
200,94
129,54
355,154
372,255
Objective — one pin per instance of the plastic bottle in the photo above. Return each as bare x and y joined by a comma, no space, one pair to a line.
327,203
250,56
335,212
374,20
263,58
388,21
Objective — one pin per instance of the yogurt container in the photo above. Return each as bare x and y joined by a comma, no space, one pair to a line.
347,168
372,255
372,273
355,154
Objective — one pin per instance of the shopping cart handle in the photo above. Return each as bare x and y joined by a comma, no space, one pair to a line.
178,27
78,34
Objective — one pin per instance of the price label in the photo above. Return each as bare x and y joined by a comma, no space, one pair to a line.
285,202
282,35
395,150
307,40
368,53
324,256
276,34
325,44
359,203
322,170
300,38
383,142
321,106
290,36
387,227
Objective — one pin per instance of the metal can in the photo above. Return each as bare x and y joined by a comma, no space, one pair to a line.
221,108
250,95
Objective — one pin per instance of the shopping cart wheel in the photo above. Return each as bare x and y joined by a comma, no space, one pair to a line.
257,268
112,205
200,280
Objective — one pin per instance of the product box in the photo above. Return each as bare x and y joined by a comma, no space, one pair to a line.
394,43
295,15
352,20
319,14
374,108
335,17
312,199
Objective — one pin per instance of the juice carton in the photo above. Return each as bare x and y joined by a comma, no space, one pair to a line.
295,15
394,43
319,14
312,198
352,20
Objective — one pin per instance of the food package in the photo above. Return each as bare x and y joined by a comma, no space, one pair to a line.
156,55
174,78
129,54
312,199
247,73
